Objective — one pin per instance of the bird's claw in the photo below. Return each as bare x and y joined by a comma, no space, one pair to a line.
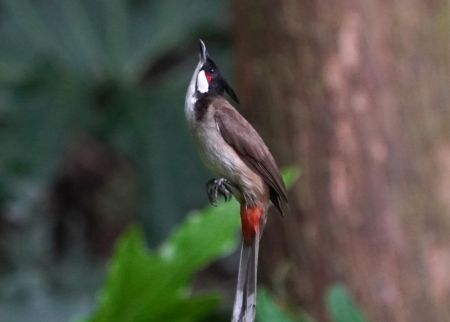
216,188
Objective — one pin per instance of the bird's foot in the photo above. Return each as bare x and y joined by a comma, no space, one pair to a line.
218,187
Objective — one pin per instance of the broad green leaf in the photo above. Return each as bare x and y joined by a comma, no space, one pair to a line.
204,236
144,285
153,285
269,311
341,306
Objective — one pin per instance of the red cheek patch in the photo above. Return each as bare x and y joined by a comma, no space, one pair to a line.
209,77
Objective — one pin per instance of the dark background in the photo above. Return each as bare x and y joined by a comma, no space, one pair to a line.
92,138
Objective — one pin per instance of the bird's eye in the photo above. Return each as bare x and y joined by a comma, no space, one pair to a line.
212,70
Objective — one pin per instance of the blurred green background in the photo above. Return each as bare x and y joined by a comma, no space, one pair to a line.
92,138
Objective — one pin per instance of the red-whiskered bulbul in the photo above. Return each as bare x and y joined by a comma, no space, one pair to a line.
233,150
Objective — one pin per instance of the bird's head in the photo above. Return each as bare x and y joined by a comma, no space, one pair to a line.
209,80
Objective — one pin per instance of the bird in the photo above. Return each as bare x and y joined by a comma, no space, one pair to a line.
243,166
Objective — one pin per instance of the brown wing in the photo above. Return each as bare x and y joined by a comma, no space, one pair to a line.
247,143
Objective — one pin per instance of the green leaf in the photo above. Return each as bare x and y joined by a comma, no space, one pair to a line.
341,306
203,237
269,311
146,285
290,175
153,285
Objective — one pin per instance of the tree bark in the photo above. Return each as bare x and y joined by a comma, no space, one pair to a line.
357,94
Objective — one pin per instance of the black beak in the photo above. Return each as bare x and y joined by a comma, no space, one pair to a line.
203,54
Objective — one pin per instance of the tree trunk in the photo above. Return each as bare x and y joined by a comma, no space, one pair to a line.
357,93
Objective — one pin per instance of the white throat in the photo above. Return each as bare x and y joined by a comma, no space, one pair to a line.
191,98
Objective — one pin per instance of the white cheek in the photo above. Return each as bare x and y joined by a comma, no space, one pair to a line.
202,82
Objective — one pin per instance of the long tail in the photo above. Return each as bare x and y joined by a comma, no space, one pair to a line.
253,221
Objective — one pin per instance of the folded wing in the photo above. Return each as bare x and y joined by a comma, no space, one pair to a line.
247,143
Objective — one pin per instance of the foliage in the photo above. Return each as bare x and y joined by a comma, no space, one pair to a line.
146,285
269,311
150,286
341,306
